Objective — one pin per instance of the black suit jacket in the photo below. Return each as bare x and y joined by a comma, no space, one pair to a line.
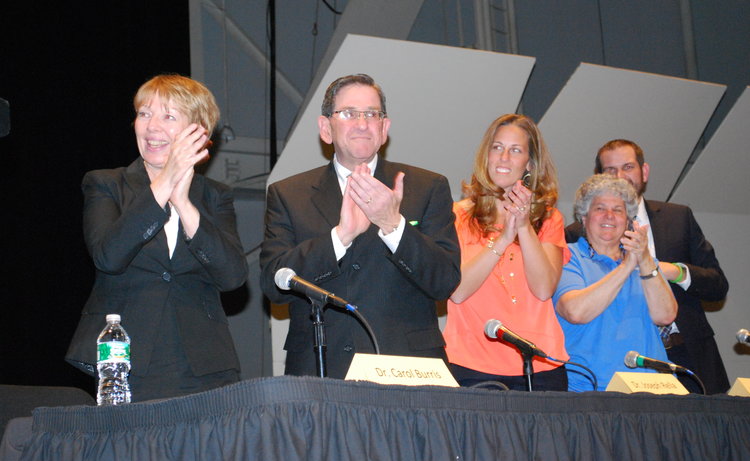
395,292
136,278
679,238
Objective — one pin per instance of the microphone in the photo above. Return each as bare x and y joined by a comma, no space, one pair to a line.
635,360
743,336
493,327
287,279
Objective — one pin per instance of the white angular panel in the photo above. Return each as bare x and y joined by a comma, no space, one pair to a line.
440,100
718,181
384,18
716,188
664,115
728,235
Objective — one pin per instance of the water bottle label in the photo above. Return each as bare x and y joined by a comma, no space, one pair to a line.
114,351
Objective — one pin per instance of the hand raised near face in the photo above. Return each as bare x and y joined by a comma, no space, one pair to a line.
352,220
510,227
377,201
518,203
635,242
188,150
179,195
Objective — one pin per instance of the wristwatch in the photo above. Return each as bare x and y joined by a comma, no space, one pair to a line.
651,274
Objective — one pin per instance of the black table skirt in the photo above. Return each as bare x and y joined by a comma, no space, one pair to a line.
306,418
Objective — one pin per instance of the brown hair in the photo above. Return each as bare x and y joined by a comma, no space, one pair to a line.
614,144
483,192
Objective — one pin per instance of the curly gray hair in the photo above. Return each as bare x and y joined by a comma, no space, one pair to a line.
604,184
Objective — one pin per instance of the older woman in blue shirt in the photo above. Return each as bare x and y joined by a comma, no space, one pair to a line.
611,297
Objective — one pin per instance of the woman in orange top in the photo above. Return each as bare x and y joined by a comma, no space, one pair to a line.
512,252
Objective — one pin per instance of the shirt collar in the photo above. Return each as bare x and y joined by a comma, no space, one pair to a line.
588,250
342,173
642,216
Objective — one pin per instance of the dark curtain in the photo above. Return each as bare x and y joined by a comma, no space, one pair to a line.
69,72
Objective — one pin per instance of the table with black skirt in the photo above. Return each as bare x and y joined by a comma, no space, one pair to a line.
308,418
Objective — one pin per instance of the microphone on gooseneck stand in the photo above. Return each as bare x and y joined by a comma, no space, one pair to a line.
495,328
635,360
527,349
286,279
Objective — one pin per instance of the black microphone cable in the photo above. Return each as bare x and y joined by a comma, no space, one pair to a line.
365,324
635,360
490,385
503,387
493,326
568,362
696,379
285,276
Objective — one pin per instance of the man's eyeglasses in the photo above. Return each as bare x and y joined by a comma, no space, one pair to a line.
351,114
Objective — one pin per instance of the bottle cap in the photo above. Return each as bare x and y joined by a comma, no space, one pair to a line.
111,318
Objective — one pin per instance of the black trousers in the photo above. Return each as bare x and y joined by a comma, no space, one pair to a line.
552,380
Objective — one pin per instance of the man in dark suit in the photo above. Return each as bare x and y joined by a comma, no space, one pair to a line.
686,259
376,233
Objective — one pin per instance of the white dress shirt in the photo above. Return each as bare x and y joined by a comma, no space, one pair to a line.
391,240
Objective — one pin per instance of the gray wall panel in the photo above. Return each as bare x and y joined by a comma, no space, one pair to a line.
717,190
664,115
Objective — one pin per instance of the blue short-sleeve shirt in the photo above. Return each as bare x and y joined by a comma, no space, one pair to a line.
625,325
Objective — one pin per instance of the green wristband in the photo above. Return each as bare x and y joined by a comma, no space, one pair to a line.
680,277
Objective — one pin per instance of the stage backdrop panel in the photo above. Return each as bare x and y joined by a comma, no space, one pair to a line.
228,44
440,100
718,181
716,188
664,115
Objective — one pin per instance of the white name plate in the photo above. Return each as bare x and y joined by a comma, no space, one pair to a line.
655,383
394,369
740,388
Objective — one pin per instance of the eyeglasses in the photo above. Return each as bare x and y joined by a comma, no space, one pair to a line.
352,114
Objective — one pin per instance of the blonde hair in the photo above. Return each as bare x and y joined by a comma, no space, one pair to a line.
191,96
483,192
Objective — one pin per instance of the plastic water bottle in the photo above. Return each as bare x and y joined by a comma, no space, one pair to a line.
113,363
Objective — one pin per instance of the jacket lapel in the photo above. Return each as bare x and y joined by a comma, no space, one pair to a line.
136,177
137,181
326,197
180,248
385,172
653,210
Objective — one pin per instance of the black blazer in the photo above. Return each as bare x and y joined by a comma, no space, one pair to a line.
396,293
135,277
679,238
